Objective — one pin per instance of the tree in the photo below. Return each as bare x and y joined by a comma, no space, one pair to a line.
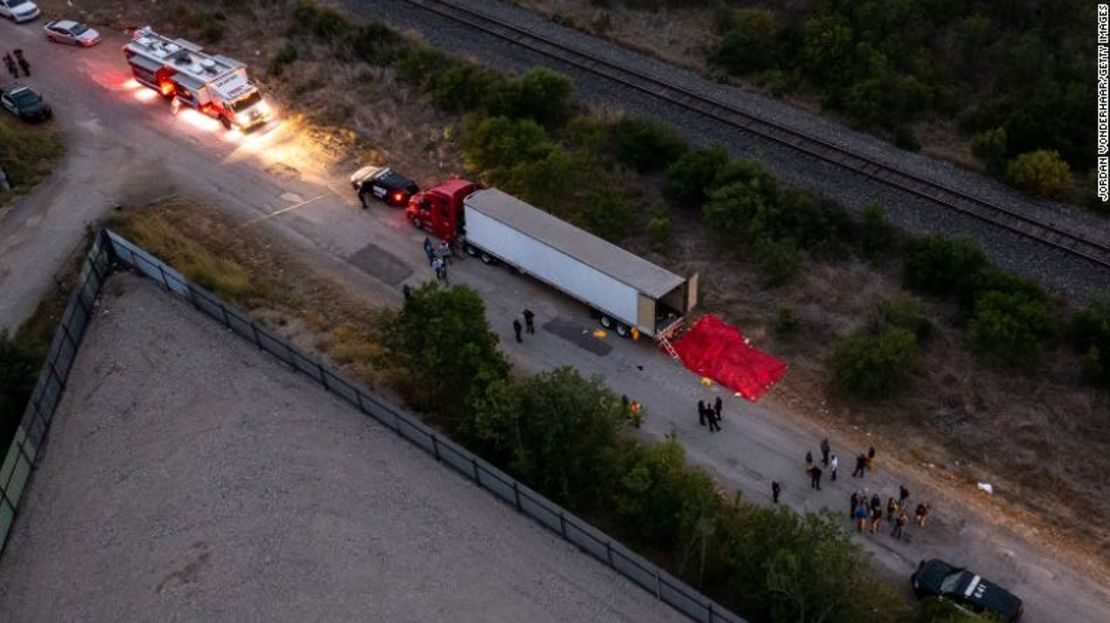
750,45
647,146
660,231
557,430
870,366
692,176
1010,326
828,44
942,266
463,88
1090,332
780,261
607,213
904,312
442,337
989,146
1043,173
732,212
494,142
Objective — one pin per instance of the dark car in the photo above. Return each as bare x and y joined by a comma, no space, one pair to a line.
937,578
25,103
383,184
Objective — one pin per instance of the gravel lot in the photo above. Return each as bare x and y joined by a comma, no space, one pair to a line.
1056,269
189,477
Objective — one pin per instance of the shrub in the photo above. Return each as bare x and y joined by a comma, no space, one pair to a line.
463,88
420,65
903,312
1010,326
1043,173
990,147
872,366
608,213
779,261
493,142
285,56
540,94
19,366
750,43
660,231
374,43
211,26
786,323
942,266
732,212
876,235
647,146
320,21
1091,338
692,176
554,182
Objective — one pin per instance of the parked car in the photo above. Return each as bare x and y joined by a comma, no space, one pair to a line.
937,578
19,10
25,103
71,32
383,184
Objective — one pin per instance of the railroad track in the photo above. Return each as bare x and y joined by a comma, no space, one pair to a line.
1043,232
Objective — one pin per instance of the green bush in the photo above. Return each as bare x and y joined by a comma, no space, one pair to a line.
877,237
1010,326
873,366
780,261
750,43
1043,173
541,95
419,65
647,146
660,231
1090,332
555,182
693,175
500,142
608,213
19,367
285,56
990,147
463,88
942,266
903,312
441,336
786,323
375,44
733,213
320,21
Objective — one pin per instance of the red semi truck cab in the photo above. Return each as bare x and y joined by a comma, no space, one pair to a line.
439,210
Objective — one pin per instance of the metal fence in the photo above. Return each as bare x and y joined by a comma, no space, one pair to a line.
528,502
20,457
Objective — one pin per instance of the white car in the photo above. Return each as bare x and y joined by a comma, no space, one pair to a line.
71,32
19,10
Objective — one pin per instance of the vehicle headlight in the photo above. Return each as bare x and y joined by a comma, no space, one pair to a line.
263,107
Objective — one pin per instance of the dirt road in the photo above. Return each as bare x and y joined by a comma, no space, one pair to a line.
126,146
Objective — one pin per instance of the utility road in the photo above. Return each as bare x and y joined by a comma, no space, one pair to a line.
126,147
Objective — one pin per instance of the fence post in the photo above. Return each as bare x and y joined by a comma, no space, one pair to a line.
323,376
516,496
563,524
223,310
609,553
474,464
161,271
258,342
435,448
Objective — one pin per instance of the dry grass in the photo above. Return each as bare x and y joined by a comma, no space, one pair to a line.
28,154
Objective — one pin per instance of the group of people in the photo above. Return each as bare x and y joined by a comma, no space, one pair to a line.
438,257
529,324
710,414
828,459
18,60
868,513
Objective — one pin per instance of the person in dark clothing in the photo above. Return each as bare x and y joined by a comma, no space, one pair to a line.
714,421
871,458
529,321
429,250
853,503
900,524
717,404
861,464
701,413
10,64
825,451
815,477
407,291
776,490
903,495
877,504
516,329
809,459
23,64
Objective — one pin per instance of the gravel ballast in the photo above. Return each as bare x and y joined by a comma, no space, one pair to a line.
1058,270
189,476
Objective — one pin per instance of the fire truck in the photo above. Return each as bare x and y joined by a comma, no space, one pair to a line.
184,73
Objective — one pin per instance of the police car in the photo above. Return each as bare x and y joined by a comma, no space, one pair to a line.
937,578
383,184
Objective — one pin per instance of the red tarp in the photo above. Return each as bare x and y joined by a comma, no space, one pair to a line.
717,350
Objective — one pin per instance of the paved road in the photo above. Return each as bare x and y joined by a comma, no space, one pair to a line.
126,148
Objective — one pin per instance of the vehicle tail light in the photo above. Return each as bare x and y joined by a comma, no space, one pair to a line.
166,88
398,196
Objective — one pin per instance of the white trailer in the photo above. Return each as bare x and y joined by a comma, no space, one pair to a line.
623,289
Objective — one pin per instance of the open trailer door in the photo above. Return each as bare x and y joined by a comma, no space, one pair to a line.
691,293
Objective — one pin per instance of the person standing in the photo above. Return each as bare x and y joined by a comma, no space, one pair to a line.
701,412
717,405
429,250
900,524
10,64
815,477
516,329
825,451
861,463
714,421
833,464
809,459
903,495
444,252
853,502
891,509
922,514
529,321
876,518
860,515
776,490
407,292
871,458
